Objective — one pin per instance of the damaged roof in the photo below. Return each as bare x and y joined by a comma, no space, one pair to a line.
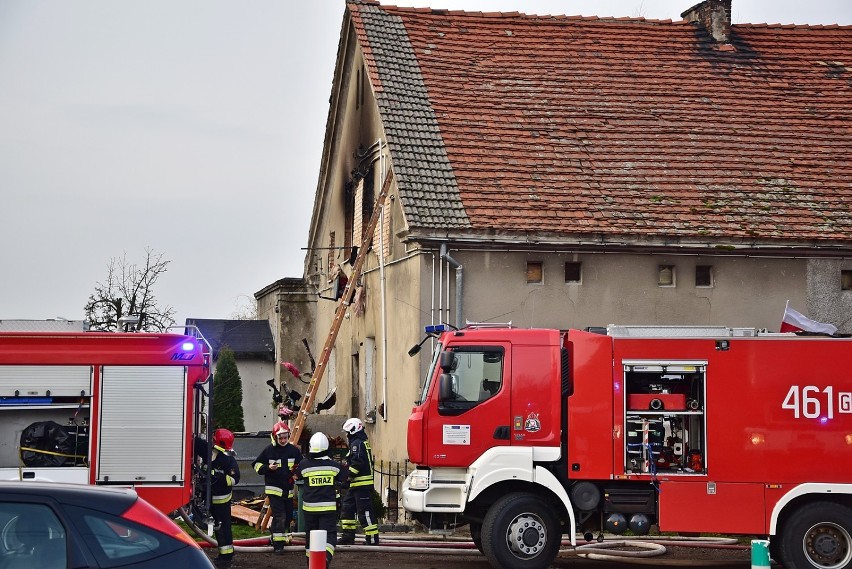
569,125
248,339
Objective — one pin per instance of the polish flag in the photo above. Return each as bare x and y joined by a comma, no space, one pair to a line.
794,321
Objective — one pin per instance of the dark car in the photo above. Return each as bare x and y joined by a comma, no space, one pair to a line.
57,526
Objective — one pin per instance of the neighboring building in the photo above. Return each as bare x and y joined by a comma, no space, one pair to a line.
254,351
289,306
564,172
52,325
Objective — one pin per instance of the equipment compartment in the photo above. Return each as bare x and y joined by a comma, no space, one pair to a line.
664,417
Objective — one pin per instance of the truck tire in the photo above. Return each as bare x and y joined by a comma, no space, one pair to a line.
476,535
817,535
520,531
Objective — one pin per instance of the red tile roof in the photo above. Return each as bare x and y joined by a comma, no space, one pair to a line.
575,125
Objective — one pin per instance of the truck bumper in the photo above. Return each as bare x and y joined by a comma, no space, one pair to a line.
446,491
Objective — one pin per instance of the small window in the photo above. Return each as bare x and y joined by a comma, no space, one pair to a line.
666,275
704,275
572,272
845,280
535,272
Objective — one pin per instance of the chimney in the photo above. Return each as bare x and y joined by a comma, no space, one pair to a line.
714,16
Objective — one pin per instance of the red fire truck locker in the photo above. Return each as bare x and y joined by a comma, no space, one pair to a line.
101,408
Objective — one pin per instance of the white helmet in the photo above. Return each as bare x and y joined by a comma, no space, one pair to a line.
353,425
318,444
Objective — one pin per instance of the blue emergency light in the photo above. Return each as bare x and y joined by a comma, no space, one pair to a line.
188,346
436,328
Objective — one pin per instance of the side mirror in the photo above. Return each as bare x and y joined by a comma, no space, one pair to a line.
445,387
447,360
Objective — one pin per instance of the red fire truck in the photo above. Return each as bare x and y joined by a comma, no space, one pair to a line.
102,408
528,434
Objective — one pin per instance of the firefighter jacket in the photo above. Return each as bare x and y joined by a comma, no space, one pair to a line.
279,481
360,460
224,471
322,477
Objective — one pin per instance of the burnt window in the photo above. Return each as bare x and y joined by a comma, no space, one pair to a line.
704,276
573,272
845,280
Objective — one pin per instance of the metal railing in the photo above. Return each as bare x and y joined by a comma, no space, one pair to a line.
388,477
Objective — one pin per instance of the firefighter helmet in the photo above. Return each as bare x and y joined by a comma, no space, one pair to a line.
224,439
318,444
279,429
353,425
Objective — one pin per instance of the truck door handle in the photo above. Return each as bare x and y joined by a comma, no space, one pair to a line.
502,433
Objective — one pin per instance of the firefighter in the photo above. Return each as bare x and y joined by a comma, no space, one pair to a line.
322,476
225,473
359,498
275,463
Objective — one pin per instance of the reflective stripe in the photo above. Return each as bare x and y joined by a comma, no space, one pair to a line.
348,524
273,491
361,481
226,550
222,498
319,506
321,469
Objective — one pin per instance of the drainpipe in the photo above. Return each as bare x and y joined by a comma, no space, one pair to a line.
445,255
384,323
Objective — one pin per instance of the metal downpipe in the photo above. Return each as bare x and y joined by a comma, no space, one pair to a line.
445,255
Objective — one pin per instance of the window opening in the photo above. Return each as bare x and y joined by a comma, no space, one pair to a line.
666,275
704,275
572,272
535,272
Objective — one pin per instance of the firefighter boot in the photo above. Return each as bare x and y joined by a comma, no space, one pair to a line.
346,538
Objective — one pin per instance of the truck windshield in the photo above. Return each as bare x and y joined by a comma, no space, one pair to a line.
427,381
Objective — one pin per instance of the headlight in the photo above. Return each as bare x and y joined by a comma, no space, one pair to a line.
418,480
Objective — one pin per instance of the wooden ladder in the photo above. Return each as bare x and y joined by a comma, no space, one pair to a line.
342,305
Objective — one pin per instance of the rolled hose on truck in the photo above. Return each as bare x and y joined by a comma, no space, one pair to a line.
647,546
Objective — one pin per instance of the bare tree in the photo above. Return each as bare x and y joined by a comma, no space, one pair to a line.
246,308
129,291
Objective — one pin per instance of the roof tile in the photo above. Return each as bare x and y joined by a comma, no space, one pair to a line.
566,125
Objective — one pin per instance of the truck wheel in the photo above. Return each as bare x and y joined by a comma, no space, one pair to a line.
476,535
818,535
521,532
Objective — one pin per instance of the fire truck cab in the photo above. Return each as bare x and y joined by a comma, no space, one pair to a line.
102,408
526,434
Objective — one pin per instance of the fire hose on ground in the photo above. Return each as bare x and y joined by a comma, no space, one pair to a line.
610,549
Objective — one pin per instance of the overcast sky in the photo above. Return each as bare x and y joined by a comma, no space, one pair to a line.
195,129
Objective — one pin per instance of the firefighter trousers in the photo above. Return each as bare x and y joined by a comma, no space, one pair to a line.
359,500
282,516
222,529
326,521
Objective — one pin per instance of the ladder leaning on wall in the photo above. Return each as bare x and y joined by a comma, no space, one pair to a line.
339,314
